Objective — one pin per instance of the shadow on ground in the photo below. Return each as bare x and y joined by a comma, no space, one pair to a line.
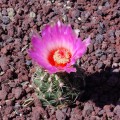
103,88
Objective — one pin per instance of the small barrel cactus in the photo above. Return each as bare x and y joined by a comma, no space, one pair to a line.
56,51
58,90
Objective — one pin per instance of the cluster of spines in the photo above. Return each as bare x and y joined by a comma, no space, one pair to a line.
53,89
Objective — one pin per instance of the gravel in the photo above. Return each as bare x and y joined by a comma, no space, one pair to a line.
99,38
101,63
60,115
5,20
88,109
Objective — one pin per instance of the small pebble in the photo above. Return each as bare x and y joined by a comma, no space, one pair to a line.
60,115
116,71
107,4
100,113
112,39
88,108
3,94
28,62
117,33
90,48
32,15
103,57
6,20
8,110
18,92
98,53
100,64
10,12
117,110
4,12
111,33
77,32
99,38
115,65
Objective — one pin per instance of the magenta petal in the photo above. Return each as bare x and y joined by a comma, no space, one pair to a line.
36,41
42,62
71,69
87,41
80,49
56,37
39,59
52,70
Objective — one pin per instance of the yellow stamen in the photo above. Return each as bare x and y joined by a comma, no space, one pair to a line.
61,57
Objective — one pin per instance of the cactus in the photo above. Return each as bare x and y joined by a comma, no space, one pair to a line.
58,90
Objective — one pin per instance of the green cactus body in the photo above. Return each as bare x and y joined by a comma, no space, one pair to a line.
56,89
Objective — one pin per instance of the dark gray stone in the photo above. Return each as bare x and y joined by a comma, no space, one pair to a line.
100,64
99,38
99,53
5,20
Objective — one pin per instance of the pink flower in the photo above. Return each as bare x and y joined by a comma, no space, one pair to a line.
58,48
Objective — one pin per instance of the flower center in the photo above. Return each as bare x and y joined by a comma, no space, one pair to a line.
59,57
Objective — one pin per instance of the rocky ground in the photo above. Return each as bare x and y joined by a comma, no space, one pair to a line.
101,63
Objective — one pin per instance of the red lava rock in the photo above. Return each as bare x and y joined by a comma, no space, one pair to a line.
38,113
117,33
20,118
74,13
17,92
100,113
37,102
50,110
60,115
5,118
46,9
68,112
100,65
76,113
90,48
118,49
4,12
28,90
24,77
90,69
2,102
12,84
80,1
103,57
6,87
98,19
9,102
32,70
107,107
4,50
52,117
88,108
9,73
116,59
117,110
107,63
3,94
8,110
4,63
109,114
36,116
10,96
104,45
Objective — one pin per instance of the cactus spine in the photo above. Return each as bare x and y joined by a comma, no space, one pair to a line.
56,89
